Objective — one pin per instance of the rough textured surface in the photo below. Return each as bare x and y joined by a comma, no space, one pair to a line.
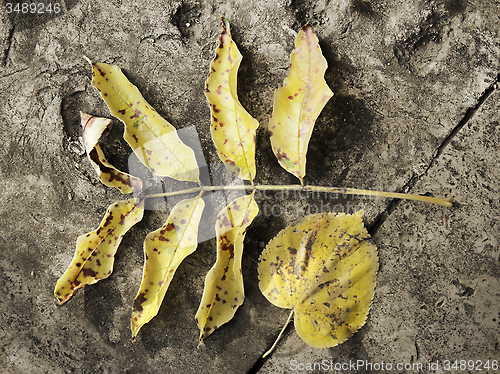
415,109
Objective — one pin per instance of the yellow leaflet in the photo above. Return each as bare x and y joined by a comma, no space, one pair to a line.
298,103
233,129
324,268
95,251
164,250
224,292
153,139
93,127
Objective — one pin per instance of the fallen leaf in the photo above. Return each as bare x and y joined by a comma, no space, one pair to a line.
324,269
233,129
298,103
153,139
164,250
95,251
224,291
92,128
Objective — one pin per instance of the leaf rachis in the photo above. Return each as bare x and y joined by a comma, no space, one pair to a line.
443,201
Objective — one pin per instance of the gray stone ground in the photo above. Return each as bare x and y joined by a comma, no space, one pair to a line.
416,109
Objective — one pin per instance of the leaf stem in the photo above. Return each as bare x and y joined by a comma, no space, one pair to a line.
444,201
279,336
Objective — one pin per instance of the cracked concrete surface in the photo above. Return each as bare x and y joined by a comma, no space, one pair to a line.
415,110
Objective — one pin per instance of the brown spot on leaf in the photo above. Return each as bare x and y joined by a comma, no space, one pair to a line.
281,155
136,114
138,301
225,221
89,273
122,112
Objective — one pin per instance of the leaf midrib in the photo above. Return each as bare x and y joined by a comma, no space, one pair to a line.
106,236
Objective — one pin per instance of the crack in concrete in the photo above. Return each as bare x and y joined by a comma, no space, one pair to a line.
9,44
12,73
255,369
469,114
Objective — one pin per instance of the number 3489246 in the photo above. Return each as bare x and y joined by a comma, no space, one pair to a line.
471,365
33,8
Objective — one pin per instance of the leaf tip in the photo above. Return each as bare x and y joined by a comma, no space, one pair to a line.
60,301
135,331
225,25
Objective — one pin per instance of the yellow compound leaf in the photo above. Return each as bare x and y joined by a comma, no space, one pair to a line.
153,139
164,250
93,127
233,129
298,104
324,269
224,292
95,251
